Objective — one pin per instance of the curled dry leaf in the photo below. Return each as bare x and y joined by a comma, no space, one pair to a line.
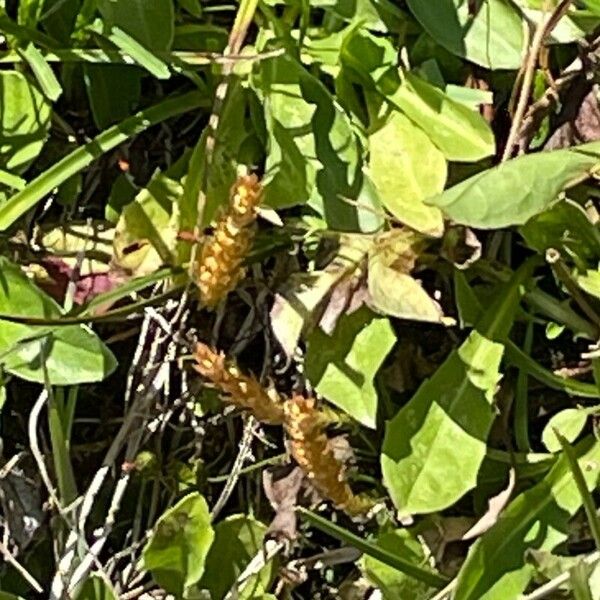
299,306
78,253
461,246
282,494
495,507
579,118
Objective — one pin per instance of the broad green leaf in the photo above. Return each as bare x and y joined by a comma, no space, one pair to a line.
314,156
150,22
342,366
179,544
492,37
59,18
569,423
73,354
237,541
406,167
434,446
392,290
101,81
589,282
513,192
537,519
96,588
392,583
567,228
373,15
24,121
459,132
80,158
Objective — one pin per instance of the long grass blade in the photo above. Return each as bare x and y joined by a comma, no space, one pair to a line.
80,158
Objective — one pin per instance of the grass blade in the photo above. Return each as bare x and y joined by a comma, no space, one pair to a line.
404,566
80,158
142,56
586,496
520,359
43,73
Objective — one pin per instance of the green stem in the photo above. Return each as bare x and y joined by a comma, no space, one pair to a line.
521,414
273,460
60,420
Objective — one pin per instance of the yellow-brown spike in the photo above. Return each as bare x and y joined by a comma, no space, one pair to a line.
236,388
220,266
314,454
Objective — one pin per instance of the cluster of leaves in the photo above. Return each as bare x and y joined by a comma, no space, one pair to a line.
437,294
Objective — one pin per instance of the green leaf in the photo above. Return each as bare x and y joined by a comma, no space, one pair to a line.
139,53
149,224
492,37
536,519
80,158
586,497
567,228
459,132
406,167
589,282
569,423
579,580
342,366
101,81
237,540
314,155
97,588
59,18
42,71
392,583
513,192
434,446
72,354
149,22
179,544
569,385
392,290
24,121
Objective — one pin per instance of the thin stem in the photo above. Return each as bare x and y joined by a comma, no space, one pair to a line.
60,418
521,414
543,29
562,272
